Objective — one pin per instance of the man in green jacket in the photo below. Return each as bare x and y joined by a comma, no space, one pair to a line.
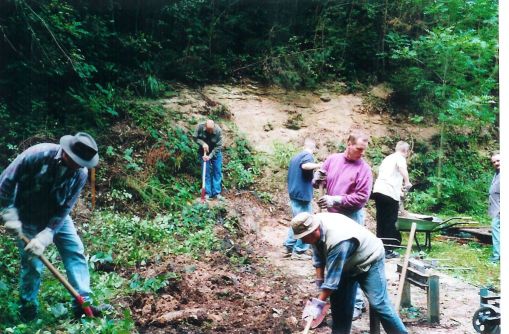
210,138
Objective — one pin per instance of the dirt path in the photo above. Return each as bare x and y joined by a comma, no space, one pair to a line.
264,115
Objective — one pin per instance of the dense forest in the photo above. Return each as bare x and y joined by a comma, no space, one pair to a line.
80,62
68,65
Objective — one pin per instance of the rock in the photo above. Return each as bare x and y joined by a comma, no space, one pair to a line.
325,98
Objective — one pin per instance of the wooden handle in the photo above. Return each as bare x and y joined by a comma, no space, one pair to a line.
405,266
308,325
320,193
55,272
92,186
204,171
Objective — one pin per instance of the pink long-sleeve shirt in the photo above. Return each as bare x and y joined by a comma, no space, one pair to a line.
351,179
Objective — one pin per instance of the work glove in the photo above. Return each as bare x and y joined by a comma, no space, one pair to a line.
319,177
407,187
205,148
38,244
12,222
328,201
313,309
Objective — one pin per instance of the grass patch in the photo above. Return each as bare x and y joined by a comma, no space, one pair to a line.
471,258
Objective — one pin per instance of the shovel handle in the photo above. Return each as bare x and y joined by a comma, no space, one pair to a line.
61,278
320,193
308,325
203,174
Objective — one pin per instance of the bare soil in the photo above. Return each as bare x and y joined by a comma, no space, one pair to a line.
266,293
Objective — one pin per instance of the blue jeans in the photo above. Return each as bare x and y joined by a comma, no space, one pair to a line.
71,251
495,236
358,217
213,175
374,284
296,245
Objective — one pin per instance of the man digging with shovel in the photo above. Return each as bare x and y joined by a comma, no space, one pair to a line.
37,193
210,138
345,254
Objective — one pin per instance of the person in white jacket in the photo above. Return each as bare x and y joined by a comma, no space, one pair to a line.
392,179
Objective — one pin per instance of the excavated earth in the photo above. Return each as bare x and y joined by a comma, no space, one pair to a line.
264,292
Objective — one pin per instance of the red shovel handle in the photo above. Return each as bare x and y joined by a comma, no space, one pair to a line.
86,309
79,299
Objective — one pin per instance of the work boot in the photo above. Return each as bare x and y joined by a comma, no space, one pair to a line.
357,314
287,252
98,311
390,254
27,311
301,256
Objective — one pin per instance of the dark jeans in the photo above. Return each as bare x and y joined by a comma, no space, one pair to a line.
386,217
374,285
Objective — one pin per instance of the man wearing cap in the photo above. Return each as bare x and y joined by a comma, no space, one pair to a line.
210,138
37,193
345,255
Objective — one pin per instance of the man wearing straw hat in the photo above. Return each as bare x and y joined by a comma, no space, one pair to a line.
37,193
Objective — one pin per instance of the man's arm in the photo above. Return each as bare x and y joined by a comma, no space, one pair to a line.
72,197
219,144
402,168
9,180
196,135
310,166
335,262
316,180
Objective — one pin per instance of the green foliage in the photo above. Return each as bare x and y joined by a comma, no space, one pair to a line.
243,165
464,185
283,153
151,284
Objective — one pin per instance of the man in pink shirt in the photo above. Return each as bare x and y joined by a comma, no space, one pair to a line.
348,181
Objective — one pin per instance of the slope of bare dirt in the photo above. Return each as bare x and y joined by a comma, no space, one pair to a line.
268,298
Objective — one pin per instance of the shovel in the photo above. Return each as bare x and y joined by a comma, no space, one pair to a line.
79,299
313,323
204,171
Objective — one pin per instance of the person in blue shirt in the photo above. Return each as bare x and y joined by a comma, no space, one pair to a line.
300,191
37,193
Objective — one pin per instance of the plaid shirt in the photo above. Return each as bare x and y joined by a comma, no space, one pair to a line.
41,186
333,260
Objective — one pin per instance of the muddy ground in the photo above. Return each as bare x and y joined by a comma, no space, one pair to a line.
265,292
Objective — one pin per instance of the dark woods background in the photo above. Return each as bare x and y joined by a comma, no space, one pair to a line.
77,64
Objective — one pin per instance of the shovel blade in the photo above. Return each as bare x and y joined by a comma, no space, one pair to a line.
318,320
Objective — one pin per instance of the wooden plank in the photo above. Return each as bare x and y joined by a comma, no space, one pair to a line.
433,300
416,277
405,266
406,298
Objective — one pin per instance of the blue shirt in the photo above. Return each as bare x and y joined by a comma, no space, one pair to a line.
299,180
41,186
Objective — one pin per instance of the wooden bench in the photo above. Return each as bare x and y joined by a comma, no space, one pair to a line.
419,276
